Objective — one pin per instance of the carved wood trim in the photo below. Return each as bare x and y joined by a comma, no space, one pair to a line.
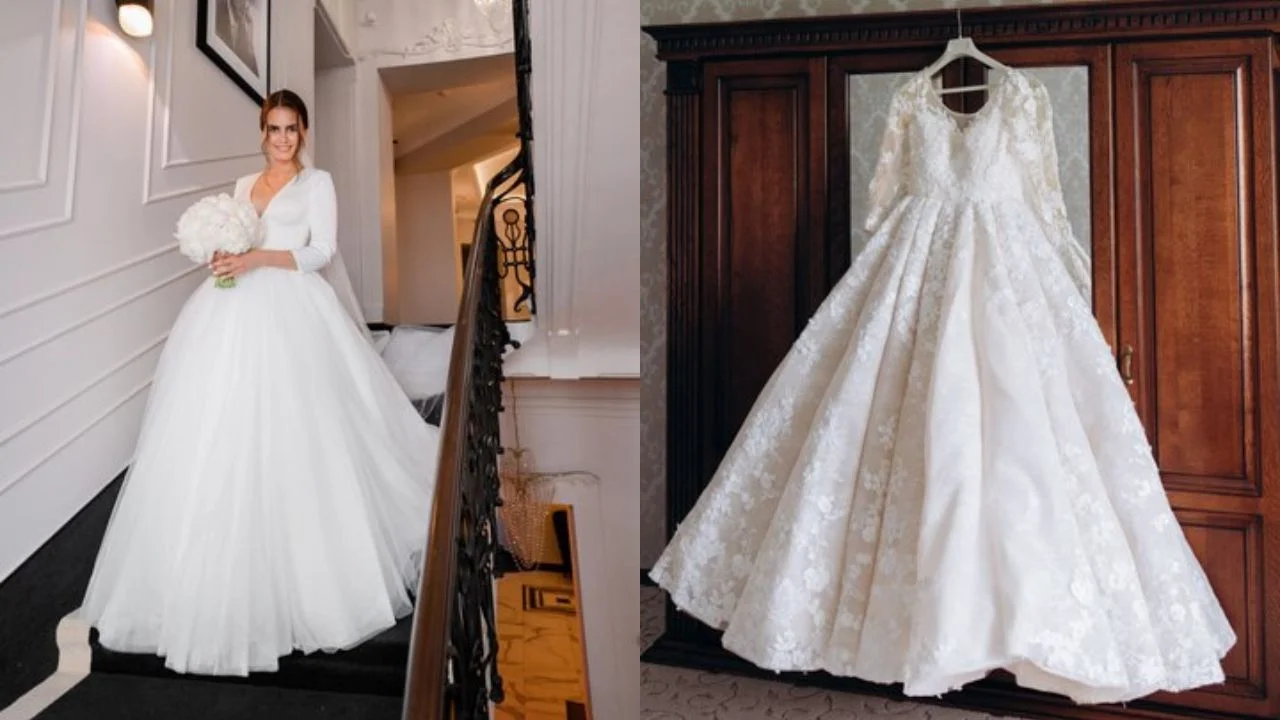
1124,20
684,219
684,78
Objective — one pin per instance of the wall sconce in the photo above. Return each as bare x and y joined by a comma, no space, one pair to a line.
134,17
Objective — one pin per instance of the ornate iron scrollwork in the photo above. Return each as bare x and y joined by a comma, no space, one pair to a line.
504,245
516,227
473,675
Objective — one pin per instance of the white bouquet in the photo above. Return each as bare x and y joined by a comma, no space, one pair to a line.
218,223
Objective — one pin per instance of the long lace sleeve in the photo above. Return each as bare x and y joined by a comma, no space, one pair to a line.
887,180
1045,193
324,224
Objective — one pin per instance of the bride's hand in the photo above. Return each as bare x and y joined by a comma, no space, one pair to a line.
225,265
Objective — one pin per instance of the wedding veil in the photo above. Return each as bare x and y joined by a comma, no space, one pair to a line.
335,273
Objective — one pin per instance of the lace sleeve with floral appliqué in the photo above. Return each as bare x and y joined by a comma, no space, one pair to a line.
1039,151
887,180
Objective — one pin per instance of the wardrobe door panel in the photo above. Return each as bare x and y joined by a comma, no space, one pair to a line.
747,259
756,246
761,250
1196,250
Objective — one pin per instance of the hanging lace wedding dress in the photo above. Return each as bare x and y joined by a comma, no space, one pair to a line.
946,475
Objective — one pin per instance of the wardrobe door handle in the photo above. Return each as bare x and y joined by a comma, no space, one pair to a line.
1126,364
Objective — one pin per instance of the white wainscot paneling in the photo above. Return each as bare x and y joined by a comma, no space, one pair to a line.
40,69
202,128
100,362
32,321
594,426
53,491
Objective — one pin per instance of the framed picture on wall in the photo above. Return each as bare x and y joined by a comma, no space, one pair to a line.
236,36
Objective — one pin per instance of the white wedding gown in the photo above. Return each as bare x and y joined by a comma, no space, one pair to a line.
946,475
280,490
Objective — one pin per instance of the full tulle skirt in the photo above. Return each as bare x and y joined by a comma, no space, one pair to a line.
279,494
946,476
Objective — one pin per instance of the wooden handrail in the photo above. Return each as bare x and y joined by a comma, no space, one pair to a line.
452,671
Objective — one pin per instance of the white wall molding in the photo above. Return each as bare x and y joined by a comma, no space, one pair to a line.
616,399
51,82
168,162
42,195
408,32
208,187
86,280
16,478
164,121
32,511
166,176
19,427
46,339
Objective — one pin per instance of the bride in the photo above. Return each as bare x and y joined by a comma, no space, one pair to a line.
279,493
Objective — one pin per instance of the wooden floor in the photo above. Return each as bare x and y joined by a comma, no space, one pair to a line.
540,653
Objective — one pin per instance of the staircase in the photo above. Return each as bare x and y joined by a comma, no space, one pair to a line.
128,696
440,661
376,680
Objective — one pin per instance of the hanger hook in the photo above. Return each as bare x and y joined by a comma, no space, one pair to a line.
959,25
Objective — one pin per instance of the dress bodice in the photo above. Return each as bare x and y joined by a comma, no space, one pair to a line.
302,217
1002,152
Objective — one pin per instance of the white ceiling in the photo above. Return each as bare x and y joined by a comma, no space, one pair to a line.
450,114
403,79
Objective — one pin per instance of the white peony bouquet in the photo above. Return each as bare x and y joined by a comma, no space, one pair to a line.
218,223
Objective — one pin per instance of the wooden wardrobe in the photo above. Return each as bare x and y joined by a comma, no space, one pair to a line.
1182,220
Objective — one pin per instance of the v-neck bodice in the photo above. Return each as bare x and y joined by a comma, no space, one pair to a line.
267,206
300,217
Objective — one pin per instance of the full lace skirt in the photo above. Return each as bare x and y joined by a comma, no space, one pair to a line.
946,476
280,490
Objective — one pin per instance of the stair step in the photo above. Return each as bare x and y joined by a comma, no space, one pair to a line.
124,697
376,667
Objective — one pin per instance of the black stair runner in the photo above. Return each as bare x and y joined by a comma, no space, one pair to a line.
132,697
375,668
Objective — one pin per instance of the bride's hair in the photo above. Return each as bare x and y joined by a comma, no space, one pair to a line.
289,100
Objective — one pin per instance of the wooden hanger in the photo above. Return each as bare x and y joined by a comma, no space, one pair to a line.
962,47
